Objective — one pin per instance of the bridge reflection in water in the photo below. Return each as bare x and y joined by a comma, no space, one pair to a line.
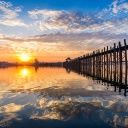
109,76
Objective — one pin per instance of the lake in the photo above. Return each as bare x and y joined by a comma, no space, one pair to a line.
58,98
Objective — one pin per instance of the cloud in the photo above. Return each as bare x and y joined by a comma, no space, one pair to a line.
118,6
51,21
45,14
12,22
64,21
9,15
112,19
10,108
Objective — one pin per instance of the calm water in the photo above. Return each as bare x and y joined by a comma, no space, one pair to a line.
54,98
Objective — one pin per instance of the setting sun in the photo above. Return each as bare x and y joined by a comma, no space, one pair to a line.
25,58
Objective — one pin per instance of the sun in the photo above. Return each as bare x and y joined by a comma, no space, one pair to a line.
25,58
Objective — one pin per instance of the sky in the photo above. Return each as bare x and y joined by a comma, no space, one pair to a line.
54,30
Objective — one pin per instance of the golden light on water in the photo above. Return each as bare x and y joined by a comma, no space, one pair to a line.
25,72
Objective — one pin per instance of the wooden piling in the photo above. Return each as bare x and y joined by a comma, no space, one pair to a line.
125,45
104,62
120,61
115,66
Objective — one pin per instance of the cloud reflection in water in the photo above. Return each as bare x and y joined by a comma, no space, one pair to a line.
50,94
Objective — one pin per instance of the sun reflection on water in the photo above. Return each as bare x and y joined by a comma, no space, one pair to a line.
25,72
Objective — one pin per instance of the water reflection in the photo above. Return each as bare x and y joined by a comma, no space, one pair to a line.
110,76
25,72
51,97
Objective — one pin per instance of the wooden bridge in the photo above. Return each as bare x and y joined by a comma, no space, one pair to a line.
109,65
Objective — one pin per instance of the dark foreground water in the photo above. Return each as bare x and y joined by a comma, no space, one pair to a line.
53,98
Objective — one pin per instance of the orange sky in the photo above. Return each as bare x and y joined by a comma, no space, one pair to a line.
42,48
53,47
